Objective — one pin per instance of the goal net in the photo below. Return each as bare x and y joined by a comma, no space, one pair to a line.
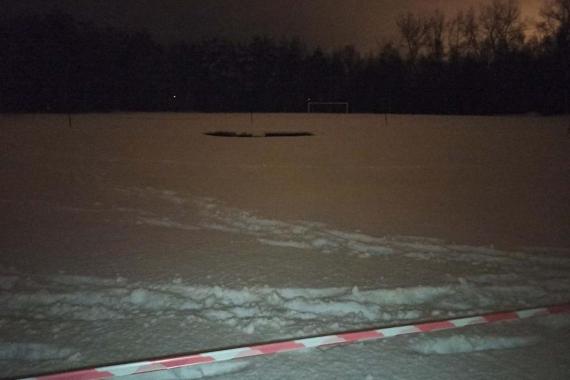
328,107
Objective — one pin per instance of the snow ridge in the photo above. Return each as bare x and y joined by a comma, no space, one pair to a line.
265,310
460,343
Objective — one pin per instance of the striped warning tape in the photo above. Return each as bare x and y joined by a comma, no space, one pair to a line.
297,344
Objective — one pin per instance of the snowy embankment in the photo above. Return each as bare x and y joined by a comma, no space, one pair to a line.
48,321
272,312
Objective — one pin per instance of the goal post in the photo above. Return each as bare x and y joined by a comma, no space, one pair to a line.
328,107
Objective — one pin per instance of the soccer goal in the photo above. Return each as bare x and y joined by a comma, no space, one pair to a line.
328,107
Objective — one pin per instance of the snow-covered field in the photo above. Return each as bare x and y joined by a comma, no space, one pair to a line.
131,236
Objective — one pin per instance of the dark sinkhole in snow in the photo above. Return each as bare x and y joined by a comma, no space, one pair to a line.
254,135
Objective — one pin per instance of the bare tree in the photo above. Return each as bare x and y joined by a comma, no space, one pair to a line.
453,34
463,34
555,25
413,31
471,31
555,21
501,26
554,13
434,35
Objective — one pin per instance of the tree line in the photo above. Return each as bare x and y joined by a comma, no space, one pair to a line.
483,60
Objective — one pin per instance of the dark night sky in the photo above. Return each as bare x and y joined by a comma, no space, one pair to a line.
329,23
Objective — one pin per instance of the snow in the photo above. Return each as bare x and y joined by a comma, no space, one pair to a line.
460,343
165,222
33,351
275,311
197,372
139,234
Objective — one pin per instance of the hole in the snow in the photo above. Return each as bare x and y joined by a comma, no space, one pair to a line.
261,134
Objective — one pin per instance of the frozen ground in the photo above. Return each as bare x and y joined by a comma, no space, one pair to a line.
135,235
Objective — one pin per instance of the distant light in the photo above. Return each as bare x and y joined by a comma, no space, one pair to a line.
174,96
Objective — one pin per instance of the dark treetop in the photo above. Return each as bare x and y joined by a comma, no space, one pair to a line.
477,61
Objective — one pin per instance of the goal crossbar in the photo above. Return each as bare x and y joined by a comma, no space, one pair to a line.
344,105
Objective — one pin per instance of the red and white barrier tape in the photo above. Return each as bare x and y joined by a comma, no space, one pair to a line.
297,344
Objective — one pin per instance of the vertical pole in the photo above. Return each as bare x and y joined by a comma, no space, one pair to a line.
389,106
251,94
566,98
